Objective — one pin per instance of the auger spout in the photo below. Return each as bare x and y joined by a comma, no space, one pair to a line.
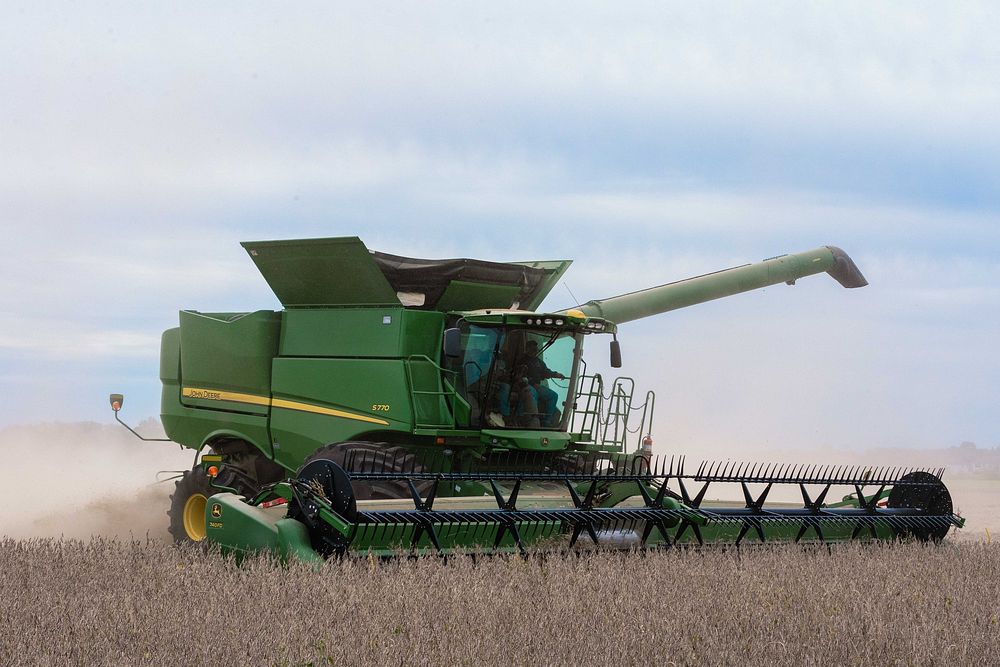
691,291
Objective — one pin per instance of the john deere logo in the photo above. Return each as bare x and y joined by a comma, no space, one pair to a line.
216,510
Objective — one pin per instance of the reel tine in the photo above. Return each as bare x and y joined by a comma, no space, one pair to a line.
805,497
517,539
661,493
501,531
573,494
684,494
697,533
743,531
760,530
496,494
646,532
701,495
512,499
646,498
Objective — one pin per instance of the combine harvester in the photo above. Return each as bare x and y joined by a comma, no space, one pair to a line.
425,406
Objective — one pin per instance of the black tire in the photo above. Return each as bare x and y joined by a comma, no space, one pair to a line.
374,457
187,506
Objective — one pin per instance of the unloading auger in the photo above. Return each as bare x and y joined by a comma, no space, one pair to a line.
400,404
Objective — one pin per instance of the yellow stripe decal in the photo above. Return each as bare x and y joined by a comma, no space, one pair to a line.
253,399
306,407
216,395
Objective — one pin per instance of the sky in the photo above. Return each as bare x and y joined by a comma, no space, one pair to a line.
646,141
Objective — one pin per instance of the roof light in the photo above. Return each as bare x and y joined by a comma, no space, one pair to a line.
548,320
559,323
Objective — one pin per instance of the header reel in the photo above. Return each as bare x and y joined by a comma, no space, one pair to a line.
610,500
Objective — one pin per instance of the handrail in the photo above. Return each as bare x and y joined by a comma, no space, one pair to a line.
605,418
453,394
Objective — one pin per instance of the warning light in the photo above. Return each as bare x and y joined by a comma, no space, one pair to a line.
439,440
213,471
116,401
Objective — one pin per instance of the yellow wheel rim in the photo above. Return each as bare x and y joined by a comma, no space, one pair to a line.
194,517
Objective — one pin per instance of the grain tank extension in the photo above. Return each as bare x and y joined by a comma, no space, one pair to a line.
439,389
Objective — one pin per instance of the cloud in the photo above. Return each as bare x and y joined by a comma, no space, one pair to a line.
648,144
175,104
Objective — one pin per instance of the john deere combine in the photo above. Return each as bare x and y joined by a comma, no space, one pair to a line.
410,404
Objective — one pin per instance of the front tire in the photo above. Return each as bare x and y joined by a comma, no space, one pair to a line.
187,506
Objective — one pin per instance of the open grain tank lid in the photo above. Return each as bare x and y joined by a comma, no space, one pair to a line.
309,273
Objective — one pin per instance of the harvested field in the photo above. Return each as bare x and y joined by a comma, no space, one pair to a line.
113,602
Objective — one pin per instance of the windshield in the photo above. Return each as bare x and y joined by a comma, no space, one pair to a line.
514,377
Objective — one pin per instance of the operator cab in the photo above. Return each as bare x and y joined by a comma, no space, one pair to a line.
518,370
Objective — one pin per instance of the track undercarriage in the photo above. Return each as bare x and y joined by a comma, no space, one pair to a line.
570,502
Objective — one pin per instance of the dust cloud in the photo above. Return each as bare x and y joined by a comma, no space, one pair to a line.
78,480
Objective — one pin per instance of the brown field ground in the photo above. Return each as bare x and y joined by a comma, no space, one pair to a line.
87,577
107,601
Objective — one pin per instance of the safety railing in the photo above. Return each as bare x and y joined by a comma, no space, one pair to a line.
609,419
445,398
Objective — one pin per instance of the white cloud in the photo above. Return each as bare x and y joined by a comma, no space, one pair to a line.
208,102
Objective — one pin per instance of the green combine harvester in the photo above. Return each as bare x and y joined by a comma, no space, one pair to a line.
400,404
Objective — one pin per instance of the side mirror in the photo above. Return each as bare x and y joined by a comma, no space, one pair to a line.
116,401
452,343
616,354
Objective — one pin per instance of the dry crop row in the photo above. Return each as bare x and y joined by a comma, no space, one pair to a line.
111,602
